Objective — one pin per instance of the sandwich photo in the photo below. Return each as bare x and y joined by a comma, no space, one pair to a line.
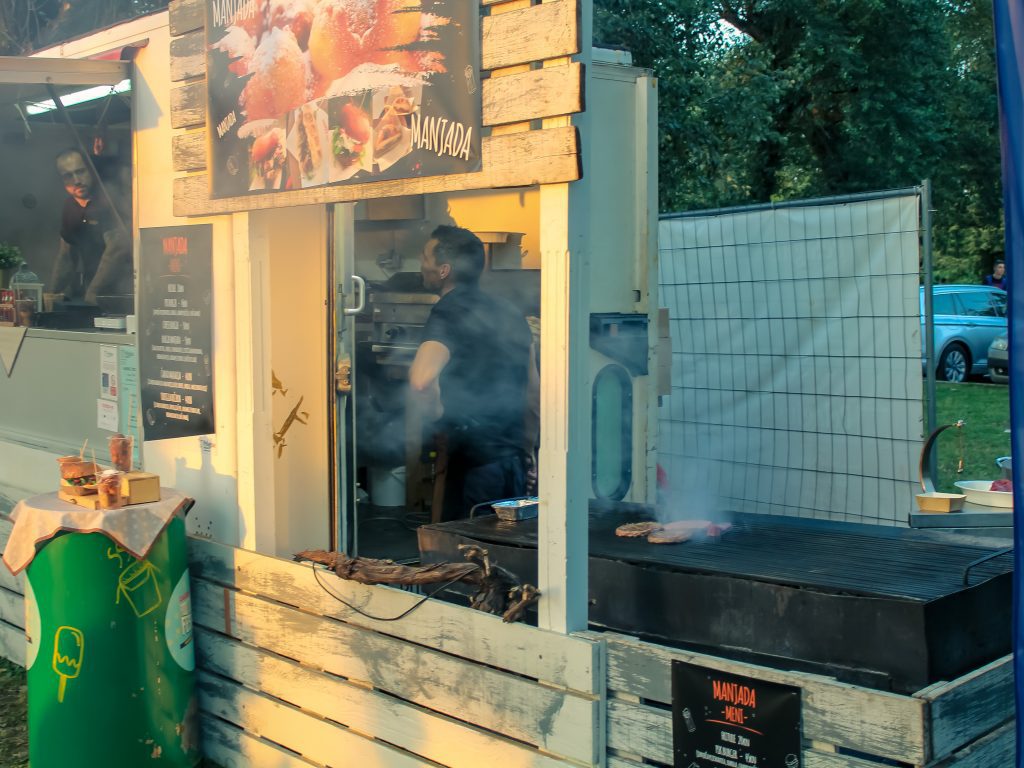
310,151
388,134
266,160
401,101
350,136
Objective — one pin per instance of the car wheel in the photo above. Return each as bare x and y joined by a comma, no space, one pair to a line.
954,364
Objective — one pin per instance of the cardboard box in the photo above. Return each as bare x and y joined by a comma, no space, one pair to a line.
90,501
140,487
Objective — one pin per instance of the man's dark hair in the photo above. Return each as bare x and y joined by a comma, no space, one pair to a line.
460,249
998,262
67,152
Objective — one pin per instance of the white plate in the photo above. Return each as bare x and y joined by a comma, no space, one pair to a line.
977,492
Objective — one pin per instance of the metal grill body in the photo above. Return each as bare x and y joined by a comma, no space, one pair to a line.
871,605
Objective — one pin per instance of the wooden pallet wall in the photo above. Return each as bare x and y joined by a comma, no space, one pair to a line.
289,676
528,77
12,604
967,723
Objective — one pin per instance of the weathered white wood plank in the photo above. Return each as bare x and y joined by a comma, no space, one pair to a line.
12,643
523,96
11,582
563,660
997,748
815,759
226,745
640,730
188,105
188,56
433,736
974,704
558,722
533,95
874,722
545,31
12,608
310,736
188,151
185,16
515,160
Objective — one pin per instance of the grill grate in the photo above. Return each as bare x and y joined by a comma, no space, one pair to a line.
846,558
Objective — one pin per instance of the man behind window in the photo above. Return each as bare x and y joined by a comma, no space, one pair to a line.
475,375
94,258
998,277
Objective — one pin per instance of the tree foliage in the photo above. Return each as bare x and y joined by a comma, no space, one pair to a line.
768,100
27,25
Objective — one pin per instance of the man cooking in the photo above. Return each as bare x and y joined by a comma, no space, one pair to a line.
94,257
474,374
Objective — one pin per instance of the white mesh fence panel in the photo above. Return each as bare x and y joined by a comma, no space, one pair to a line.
796,365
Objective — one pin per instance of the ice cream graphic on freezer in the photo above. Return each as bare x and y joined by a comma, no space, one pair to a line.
68,650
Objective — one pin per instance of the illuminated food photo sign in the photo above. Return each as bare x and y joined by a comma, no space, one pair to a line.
305,93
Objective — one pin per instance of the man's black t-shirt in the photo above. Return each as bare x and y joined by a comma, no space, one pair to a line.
484,386
83,228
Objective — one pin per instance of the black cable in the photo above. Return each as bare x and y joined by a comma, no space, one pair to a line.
361,612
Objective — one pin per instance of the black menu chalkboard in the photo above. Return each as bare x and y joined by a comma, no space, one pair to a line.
720,720
176,331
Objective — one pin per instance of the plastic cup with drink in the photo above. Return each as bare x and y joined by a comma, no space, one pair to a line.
109,488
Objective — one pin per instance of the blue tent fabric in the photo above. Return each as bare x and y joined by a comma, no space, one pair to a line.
1009,24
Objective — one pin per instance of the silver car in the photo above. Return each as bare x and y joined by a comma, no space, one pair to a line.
999,360
968,318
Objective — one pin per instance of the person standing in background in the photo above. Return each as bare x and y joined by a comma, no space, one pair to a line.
998,277
474,375
95,255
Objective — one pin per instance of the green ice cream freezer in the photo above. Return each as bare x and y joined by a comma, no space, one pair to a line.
110,655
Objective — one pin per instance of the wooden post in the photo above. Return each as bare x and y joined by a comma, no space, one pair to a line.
257,523
564,478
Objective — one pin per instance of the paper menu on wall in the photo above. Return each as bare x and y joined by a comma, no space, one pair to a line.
108,372
106,415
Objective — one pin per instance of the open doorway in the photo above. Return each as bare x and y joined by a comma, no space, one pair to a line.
389,470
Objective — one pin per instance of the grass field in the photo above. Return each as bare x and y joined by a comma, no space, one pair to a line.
985,410
13,735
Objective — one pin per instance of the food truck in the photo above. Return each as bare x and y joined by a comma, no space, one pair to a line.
277,168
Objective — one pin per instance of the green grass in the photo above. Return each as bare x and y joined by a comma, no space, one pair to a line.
13,702
985,410
13,715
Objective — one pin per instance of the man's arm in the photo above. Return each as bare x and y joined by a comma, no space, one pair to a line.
63,270
424,375
115,259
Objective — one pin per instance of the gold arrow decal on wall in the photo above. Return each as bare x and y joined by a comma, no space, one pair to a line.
295,416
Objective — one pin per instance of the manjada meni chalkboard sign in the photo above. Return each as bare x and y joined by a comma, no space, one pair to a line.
176,331
721,720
